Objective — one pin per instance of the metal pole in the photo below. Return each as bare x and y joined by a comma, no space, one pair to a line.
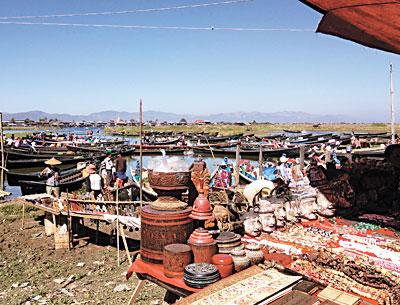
2,153
392,105
141,154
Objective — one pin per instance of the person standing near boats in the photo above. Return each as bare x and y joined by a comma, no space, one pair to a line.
94,183
108,165
120,167
52,173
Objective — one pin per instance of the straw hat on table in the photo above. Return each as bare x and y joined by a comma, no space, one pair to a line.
53,161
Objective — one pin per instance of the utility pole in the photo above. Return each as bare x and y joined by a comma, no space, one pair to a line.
392,105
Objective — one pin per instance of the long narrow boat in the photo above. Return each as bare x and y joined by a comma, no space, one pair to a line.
28,163
14,177
290,152
71,182
15,154
126,150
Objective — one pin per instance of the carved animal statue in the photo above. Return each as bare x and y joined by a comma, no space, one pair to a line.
252,225
325,207
280,215
268,222
292,212
308,208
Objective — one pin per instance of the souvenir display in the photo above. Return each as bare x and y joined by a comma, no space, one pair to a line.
227,241
254,253
176,258
224,263
252,286
161,228
203,245
200,275
240,260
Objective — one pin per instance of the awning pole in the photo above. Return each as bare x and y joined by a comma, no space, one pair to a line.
392,105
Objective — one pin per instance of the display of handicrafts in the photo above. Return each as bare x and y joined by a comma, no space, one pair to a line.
254,253
224,263
240,260
200,275
203,245
227,241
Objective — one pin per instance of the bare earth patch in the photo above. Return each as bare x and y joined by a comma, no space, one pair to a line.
32,272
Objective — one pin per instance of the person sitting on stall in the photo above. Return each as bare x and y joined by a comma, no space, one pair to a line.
52,174
94,183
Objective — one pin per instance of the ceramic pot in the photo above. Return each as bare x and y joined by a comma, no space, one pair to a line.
224,263
254,253
203,246
240,260
227,241
202,209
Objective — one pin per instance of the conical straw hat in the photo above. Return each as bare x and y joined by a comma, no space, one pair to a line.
53,161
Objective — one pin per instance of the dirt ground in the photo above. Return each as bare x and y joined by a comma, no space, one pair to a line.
33,272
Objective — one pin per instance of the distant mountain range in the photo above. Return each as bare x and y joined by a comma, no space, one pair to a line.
274,117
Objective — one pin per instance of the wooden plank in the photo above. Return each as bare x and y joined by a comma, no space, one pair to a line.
136,292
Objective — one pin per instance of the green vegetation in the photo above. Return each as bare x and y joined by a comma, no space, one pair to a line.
12,210
258,129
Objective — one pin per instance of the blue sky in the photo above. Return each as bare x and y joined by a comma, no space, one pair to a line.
84,70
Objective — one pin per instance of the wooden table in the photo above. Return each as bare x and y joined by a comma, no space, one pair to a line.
154,273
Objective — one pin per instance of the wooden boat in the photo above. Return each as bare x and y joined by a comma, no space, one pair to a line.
17,154
168,142
252,154
71,182
148,193
292,131
126,150
178,151
28,163
13,177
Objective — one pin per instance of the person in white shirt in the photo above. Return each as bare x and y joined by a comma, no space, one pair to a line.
94,183
108,165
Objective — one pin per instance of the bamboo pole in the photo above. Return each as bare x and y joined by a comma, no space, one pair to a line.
3,165
260,163
23,215
117,205
69,223
237,164
392,117
125,244
302,153
141,153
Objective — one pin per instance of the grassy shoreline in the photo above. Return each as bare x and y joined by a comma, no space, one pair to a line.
258,129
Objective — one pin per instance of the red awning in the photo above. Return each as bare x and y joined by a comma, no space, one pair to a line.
373,23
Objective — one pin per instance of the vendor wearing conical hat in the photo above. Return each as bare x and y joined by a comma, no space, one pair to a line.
52,174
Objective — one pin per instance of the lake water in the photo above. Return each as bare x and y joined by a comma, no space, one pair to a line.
211,162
